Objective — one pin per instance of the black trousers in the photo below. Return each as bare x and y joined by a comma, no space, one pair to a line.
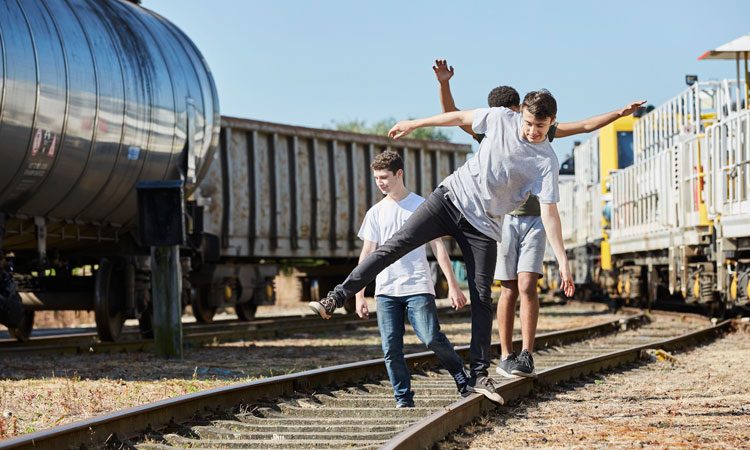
434,218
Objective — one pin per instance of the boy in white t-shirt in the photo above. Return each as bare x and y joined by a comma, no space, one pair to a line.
405,288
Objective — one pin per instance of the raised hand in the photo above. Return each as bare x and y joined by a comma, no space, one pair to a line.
401,129
631,108
443,72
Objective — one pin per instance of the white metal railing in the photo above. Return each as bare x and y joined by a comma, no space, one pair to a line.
728,157
567,210
690,177
689,113
594,222
586,157
642,198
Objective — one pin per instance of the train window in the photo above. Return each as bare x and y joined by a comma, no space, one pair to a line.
624,149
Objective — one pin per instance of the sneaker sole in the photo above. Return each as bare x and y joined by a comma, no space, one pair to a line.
491,395
318,309
504,373
519,373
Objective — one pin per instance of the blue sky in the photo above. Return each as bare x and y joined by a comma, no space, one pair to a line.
312,62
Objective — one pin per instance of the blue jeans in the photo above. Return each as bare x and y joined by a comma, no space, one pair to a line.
422,314
434,218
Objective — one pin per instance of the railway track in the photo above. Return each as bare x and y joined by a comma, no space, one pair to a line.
351,405
196,334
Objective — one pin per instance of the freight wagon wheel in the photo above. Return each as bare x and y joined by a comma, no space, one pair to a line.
350,305
22,332
441,283
441,287
109,301
199,302
246,311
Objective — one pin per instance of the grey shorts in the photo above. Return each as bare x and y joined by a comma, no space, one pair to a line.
522,248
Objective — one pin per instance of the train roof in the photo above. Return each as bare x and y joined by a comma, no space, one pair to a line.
731,50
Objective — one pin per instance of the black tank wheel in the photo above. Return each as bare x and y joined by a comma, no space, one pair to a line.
109,300
22,332
199,302
246,311
146,320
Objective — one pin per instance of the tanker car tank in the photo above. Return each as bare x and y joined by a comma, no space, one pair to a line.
94,97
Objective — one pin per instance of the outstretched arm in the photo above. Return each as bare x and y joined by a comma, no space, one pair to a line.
362,310
458,300
450,119
551,222
444,73
594,123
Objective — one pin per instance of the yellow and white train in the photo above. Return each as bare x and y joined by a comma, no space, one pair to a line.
658,207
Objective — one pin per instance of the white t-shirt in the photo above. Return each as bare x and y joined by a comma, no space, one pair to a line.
504,172
410,275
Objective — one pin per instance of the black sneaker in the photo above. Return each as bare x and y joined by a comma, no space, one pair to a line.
325,306
486,386
462,383
505,366
524,365
404,404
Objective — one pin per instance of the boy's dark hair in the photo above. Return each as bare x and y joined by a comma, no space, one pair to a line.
504,96
388,160
540,103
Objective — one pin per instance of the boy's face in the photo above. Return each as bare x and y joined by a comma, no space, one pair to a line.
387,180
535,129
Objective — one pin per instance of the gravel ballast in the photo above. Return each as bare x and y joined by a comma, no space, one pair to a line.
697,399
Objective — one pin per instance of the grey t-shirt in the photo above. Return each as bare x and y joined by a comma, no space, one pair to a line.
531,207
503,173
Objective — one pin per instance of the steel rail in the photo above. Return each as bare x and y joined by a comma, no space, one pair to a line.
124,423
199,334
435,427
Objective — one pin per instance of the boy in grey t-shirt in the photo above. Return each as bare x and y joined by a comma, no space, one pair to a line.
514,160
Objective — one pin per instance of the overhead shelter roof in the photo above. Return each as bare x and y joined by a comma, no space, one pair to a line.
731,50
